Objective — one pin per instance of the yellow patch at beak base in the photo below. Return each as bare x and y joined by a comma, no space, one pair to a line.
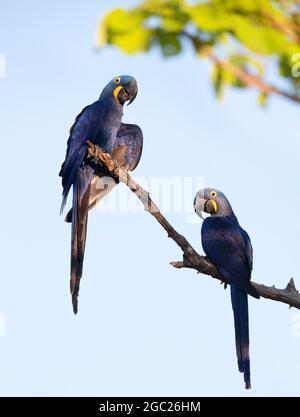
215,205
116,92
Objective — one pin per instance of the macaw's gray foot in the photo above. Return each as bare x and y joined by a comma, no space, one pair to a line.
100,155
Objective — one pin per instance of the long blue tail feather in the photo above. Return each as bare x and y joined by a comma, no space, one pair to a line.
239,300
79,230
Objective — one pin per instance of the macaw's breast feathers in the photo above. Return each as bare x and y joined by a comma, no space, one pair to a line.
229,248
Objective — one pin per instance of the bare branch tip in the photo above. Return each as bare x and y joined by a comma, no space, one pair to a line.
291,286
176,264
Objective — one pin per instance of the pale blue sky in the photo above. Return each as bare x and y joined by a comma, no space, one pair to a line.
143,328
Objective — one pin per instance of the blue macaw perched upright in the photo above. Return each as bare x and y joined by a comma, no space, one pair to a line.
229,247
101,124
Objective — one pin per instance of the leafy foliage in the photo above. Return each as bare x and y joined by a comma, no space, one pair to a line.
247,34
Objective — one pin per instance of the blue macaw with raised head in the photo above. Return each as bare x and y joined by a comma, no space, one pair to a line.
101,124
229,247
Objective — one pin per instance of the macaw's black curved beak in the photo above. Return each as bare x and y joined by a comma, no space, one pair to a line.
129,92
210,206
203,205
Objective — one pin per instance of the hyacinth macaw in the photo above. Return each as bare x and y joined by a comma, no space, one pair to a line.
229,247
101,124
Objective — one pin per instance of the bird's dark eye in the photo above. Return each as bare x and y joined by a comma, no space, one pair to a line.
117,80
213,193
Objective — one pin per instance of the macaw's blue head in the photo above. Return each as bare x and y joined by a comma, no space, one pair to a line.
121,89
212,201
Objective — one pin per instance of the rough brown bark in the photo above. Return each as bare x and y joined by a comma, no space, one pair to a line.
191,259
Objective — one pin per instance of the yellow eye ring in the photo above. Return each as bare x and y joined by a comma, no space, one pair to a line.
213,193
117,80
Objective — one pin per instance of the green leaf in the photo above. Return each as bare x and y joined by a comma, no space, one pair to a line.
247,63
209,17
218,80
126,31
171,13
245,6
262,99
258,38
169,43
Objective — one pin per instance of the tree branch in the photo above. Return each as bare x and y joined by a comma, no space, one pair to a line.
252,80
191,259
241,74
